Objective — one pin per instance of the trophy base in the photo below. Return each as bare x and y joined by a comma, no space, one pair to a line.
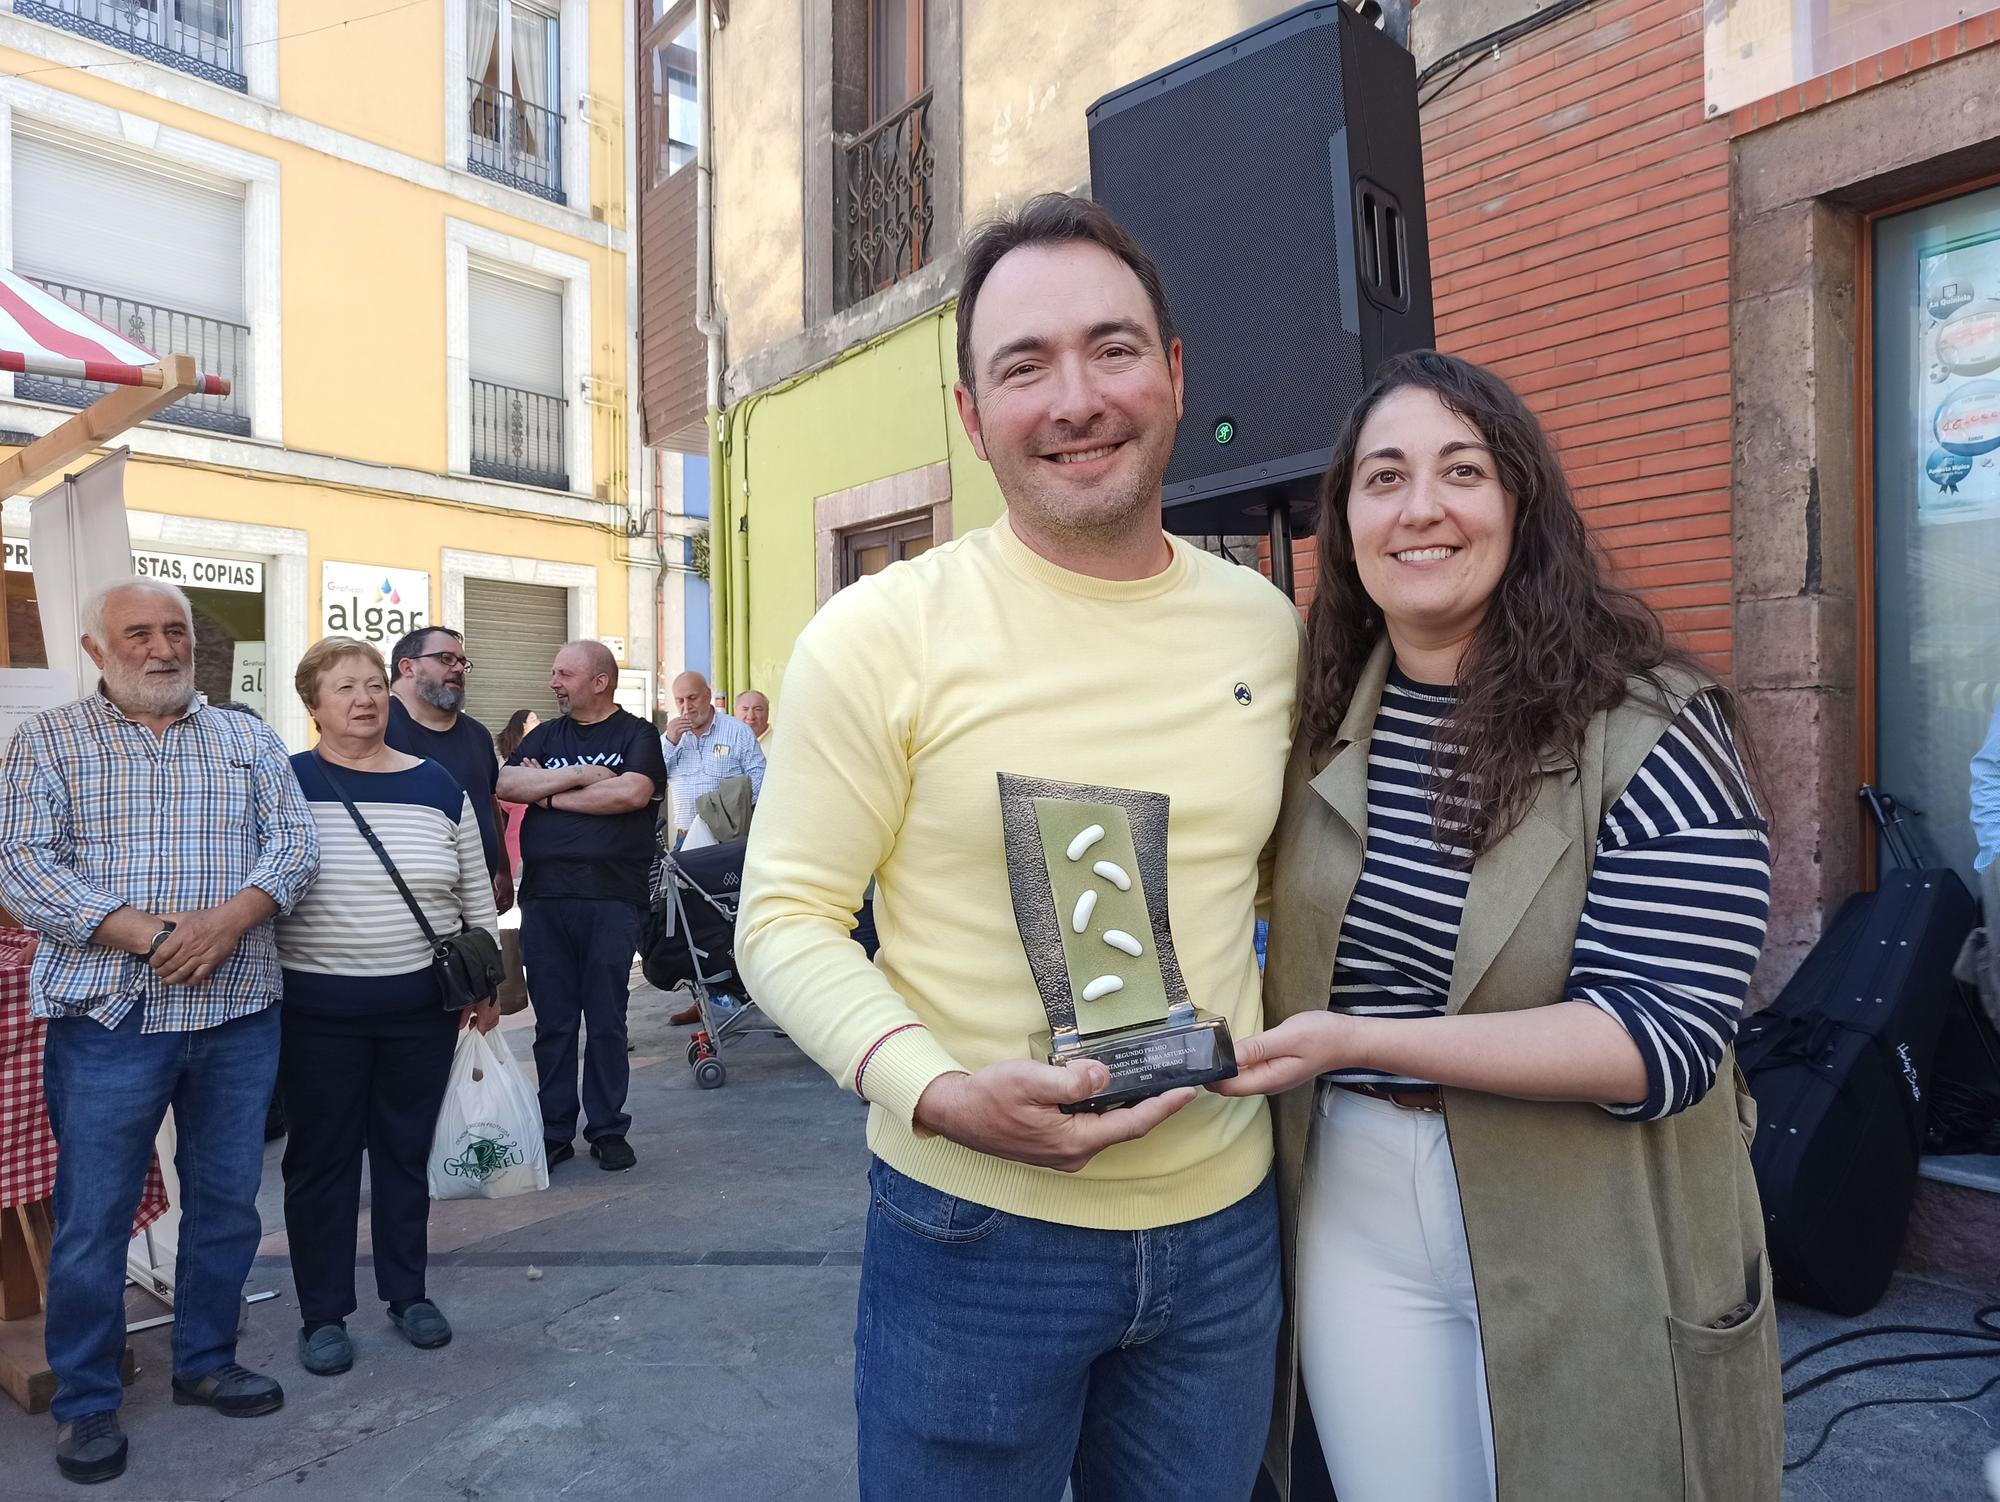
1187,1047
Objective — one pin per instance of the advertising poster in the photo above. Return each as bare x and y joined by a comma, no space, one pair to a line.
373,604
1959,414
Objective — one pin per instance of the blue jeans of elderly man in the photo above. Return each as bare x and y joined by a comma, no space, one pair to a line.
150,839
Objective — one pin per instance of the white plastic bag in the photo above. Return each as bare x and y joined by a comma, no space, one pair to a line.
489,1133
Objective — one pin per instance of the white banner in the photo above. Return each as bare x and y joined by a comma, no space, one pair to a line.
373,604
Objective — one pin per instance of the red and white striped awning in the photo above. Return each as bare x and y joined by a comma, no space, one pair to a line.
43,335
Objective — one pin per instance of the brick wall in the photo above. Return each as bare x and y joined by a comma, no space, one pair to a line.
1579,230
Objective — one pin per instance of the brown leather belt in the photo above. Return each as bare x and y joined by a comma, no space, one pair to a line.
1409,1097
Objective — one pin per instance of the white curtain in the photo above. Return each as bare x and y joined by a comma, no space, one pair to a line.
482,65
531,76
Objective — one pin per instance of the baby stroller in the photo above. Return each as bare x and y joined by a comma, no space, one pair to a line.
690,940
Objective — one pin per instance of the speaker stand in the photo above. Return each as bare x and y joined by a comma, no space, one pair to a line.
1281,547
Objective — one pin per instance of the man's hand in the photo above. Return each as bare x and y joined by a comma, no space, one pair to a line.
201,940
1013,1110
677,727
503,889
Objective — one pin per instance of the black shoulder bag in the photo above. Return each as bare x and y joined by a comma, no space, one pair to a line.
468,964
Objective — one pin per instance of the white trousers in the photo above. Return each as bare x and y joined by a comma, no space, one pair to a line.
1388,1328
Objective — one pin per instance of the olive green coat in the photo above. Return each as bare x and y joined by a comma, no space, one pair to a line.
1601,1248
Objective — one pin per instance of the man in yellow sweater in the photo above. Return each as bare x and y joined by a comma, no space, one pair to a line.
1044,1296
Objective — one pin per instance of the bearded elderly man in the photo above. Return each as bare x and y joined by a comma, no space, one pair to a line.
150,839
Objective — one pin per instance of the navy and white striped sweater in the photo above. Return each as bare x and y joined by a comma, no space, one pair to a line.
1673,917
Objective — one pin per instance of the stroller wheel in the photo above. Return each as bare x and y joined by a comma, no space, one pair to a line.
699,1048
709,1074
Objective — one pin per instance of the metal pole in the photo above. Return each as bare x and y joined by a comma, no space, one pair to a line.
1281,546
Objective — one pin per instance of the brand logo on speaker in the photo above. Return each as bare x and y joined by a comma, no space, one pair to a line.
1224,430
1909,1071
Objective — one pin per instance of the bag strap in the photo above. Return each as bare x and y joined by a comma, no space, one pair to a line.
375,844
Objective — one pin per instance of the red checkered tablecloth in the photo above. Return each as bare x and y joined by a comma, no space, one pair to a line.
27,1147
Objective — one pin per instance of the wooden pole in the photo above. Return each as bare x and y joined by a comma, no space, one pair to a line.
97,424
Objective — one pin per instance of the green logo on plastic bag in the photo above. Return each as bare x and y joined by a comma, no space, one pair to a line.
483,1157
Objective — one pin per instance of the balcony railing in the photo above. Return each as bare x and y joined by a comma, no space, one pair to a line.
520,436
219,348
196,36
885,209
514,142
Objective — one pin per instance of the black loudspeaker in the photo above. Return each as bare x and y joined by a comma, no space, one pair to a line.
1277,180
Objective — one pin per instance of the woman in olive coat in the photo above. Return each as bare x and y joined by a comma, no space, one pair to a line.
1521,882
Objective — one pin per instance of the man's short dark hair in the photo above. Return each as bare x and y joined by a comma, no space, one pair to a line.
412,645
1051,219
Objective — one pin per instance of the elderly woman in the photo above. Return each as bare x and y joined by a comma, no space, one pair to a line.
1521,882
367,1039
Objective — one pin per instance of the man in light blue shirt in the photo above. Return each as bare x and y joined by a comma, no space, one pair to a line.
1986,796
704,748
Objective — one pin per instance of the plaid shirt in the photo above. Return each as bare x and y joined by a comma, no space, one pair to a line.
96,812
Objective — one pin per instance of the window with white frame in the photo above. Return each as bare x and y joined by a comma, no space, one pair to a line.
519,415
674,126
513,52
151,248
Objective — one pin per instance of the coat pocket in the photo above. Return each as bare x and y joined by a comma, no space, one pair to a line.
1727,1387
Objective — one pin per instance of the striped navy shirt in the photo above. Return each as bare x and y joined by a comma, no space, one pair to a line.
1673,917
352,945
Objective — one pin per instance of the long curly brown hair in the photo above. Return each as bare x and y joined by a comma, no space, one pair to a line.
1558,643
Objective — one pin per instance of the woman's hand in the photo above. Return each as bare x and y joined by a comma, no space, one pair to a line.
1297,1050
484,1017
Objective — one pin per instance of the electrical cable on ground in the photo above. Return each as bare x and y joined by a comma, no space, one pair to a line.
1988,1333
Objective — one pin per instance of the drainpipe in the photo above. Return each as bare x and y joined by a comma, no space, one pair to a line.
708,322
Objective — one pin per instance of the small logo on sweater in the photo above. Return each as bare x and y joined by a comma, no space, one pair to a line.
1242,693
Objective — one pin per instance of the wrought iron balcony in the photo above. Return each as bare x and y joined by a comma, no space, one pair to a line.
219,348
202,37
520,436
884,196
513,142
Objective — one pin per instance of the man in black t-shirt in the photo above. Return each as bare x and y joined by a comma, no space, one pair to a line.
591,780
427,688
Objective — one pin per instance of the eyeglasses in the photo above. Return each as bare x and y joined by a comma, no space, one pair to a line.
449,659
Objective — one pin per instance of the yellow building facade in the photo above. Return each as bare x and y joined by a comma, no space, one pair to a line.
402,233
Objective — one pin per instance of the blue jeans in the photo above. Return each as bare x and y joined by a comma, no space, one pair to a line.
578,952
108,1090
997,1356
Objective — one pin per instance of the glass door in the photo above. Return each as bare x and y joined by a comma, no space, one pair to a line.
1937,517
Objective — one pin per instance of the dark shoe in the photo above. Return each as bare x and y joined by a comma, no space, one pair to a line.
613,1153
558,1152
423,1324
326,1352
235,1390
687,1014
91,1448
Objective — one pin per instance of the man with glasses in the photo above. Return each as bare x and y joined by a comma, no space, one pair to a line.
429,667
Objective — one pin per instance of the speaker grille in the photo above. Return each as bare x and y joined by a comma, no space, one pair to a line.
1233,176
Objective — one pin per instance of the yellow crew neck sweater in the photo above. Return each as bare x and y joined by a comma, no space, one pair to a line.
903,699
